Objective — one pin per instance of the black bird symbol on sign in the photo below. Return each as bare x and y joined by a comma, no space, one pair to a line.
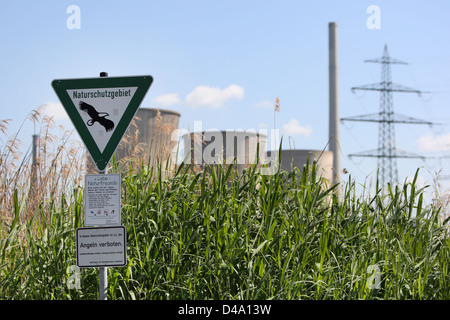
96,116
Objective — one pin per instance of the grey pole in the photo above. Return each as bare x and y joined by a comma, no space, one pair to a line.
35,137
103,278
334,103
34,160
103,272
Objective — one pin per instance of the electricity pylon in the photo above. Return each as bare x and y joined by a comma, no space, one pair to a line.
387,152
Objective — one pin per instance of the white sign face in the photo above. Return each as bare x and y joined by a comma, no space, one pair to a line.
102,200
101,110
101,247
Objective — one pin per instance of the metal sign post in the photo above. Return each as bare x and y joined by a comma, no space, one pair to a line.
101,111
103,271
103,283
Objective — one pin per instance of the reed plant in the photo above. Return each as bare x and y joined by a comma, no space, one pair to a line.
220,234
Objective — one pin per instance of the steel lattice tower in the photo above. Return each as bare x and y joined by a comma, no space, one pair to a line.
387,152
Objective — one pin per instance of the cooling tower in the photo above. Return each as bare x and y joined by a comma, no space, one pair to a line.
297,159
218,147
150,136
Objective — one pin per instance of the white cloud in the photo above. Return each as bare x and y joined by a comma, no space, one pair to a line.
213,97
55,110
294,128
431,142
263,125
265,104
167,99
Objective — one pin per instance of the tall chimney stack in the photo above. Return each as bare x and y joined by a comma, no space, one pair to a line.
334,104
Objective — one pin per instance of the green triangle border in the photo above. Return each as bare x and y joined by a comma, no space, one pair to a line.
101,159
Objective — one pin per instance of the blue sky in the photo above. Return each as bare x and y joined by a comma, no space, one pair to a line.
225,62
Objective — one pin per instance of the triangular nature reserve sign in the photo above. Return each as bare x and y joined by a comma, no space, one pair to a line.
101,109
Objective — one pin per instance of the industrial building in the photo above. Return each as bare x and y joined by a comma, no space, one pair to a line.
151,135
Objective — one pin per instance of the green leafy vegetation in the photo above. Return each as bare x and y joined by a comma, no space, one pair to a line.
217,234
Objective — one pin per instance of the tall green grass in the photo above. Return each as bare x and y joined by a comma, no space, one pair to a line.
217,234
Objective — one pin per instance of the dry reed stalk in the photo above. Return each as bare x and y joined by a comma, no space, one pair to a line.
58,169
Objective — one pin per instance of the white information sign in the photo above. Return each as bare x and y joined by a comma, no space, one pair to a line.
102,200
101,247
